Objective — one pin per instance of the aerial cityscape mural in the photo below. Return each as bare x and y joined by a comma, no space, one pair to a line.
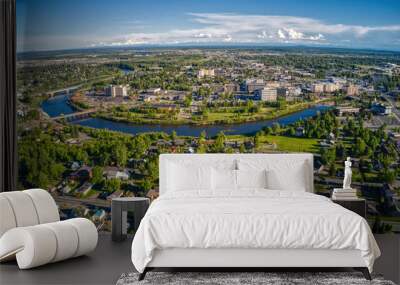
104,87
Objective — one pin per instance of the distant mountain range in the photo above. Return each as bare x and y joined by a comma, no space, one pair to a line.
259,47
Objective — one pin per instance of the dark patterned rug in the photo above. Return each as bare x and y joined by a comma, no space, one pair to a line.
243,278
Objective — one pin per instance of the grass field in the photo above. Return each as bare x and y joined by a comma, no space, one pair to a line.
283,143
292,144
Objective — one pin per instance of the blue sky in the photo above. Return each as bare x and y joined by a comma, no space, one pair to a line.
65,24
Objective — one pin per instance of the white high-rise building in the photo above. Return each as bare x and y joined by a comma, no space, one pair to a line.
351,90
206,73
267,94
330,87
116,91
317,88
253,85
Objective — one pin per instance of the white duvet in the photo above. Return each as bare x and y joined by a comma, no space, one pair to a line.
250,219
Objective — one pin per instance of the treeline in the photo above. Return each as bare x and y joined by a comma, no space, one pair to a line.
45,156
38,79
323,62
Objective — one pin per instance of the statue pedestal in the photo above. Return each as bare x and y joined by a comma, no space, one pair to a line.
344,194
347,190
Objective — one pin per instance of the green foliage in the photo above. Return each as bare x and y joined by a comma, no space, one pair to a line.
44,78
43,163
276,128
219,144
97,175
291,131
328,155
120,154
321,126
112,185
257,139
387,175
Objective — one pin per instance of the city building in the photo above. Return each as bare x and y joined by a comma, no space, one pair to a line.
205,73
155,90
173,95
282,92
347,110
381,109
231,88
288,93
317,88
266,94
273,84
116,91
252,85
330,87
294,91
351,90
146,97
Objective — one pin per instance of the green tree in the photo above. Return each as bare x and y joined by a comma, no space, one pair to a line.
328,156
112,185
97,175
120,155
174,136
219,144
292,131
201,149
276,128
257,140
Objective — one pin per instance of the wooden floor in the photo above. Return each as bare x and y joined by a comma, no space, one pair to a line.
110,259
103,266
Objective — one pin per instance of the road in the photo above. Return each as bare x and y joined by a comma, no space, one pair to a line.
395,110
75,201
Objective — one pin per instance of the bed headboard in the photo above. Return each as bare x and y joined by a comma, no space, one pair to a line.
218,158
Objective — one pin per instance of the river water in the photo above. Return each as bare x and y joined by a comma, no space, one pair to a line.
58,105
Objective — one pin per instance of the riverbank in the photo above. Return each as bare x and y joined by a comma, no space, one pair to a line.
59,105
196,130
214,118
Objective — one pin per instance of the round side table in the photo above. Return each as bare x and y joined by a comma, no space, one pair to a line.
119,214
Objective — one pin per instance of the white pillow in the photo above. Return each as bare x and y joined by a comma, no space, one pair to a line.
282,174
183,177
224,179
251,178
293,177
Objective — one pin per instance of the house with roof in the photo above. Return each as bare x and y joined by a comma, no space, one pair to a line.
111,172
84,188
115,194
83,173
99,215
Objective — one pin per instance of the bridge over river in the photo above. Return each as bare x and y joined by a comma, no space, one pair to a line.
75,116
64,91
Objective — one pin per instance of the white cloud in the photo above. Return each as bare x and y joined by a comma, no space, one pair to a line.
201,35
222,27
317,37
281,34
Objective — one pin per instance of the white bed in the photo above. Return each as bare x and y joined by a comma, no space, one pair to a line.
203,220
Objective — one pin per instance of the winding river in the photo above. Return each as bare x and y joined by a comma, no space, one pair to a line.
59,105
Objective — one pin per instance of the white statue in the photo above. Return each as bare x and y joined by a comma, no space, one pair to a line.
347,174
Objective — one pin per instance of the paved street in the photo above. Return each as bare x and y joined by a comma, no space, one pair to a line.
395,110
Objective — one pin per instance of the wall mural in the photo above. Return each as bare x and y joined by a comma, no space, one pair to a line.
94,117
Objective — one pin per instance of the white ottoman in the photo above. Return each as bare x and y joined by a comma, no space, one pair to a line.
32,243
